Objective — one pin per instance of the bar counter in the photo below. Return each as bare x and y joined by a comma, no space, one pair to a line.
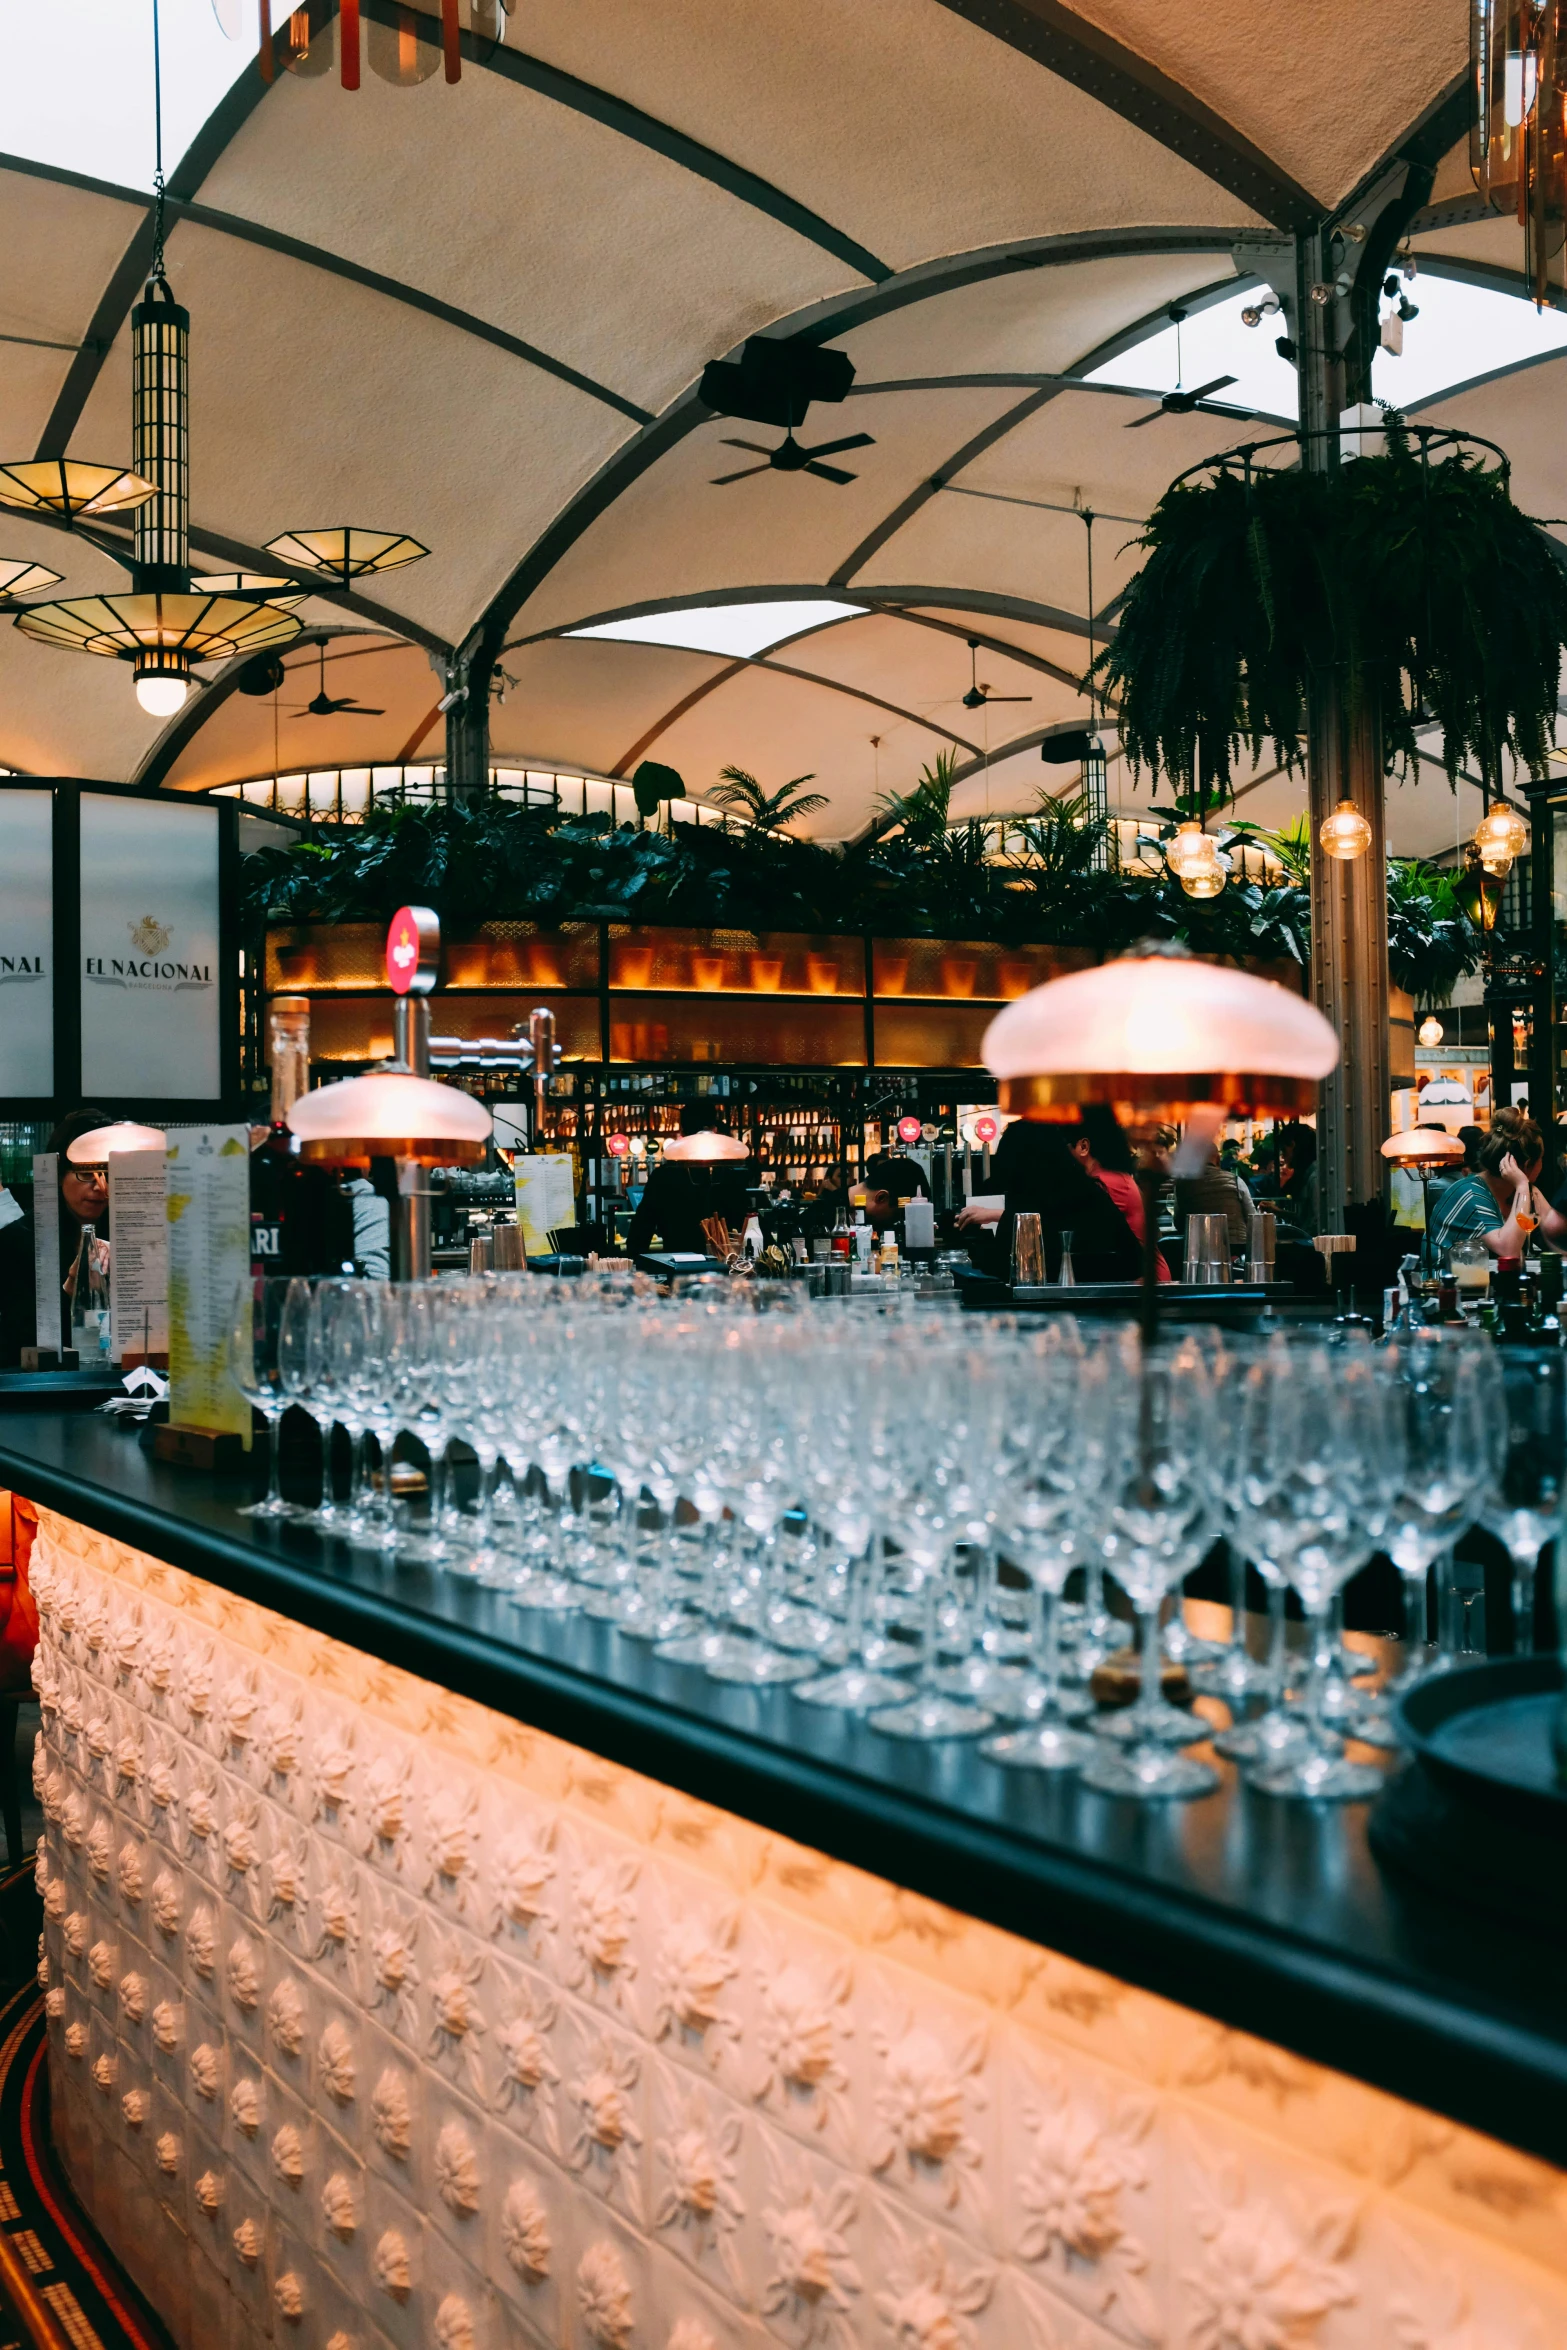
892,1991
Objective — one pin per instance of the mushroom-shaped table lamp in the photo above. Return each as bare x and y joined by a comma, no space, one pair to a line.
1164,1038
1424,1151
102,1143
390,1114
705,1149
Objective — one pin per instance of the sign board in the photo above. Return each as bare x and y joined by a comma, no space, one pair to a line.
413,951
546,1197
908,1130
617,1145
27,944
149,947
139,1256
208,1201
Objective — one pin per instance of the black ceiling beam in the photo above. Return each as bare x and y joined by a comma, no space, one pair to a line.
1131,87
974,447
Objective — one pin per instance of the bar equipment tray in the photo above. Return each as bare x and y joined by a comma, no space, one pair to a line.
1478,1813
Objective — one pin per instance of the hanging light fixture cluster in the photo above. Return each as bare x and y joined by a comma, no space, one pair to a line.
1500,836
399,47
169,620
1518,127
1192,855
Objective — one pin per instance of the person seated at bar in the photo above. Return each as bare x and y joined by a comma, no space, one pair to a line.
822,1209
1035,1169
680,1194
1489,1204
1103,1149
83,1199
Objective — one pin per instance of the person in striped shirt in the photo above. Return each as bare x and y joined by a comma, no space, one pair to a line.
1500,1202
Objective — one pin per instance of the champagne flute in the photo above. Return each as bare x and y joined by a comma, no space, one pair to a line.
1526,1423
268,1360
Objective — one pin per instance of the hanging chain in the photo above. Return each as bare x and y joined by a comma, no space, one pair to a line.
1093,684
157,269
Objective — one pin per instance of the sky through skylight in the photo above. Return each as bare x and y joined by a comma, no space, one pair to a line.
738,629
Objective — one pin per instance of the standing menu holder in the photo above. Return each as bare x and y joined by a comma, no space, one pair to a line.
208,1207
139,1259
49,1311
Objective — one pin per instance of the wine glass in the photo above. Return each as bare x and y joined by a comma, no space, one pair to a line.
1161,1514
269,1362
1346,1469
1526,1424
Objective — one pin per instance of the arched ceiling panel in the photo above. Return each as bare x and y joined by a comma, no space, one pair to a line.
1038,321
672,534
237,741
61,246
523,205
778,727
921,669
348,408
916,132
1324,90
585,702
1523,411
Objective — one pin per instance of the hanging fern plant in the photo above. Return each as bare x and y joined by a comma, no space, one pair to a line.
1410,578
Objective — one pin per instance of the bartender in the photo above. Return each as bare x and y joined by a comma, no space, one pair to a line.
84,1199
891,1181
681,1193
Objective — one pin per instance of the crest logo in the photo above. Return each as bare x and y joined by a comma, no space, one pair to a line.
149,937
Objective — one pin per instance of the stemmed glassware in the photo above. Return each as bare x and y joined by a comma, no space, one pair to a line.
269,1362
1526,1423
1162,1517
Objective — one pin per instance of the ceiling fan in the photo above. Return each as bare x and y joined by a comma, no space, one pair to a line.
792,456
325,705
1181,403
980,697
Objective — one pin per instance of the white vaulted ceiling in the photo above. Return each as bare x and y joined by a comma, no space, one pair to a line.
478,313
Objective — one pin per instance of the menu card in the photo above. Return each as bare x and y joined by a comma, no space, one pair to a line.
139,1264
208,1201
546,1188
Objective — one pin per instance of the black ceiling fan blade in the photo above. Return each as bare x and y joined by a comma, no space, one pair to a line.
829,472
1219,408
854,440
361,710
1217,385
757,448
1009,697
721,481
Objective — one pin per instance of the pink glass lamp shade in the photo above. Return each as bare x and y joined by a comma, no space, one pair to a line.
102,1143
1157,1033
700,1148
390,1116
1422,1150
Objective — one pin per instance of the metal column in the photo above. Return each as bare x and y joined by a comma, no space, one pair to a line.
1544,1070
1344,762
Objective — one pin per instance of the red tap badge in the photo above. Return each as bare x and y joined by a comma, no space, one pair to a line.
413,951
909,1130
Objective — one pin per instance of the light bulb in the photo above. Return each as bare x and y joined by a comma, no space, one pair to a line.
1345,834
161,696
1430,1031
1500,836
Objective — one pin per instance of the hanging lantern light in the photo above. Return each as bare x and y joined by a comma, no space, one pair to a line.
1193,857
1430,1032
1345,834
1500,836
1518,127
25,579
70,488
346,554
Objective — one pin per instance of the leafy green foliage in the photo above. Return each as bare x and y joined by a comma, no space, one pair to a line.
1030,881
766,811
1418,585
652,783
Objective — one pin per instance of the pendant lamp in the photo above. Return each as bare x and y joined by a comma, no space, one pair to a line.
100,1144
390,1115
1500,836
1345,834
1192,855
707,1148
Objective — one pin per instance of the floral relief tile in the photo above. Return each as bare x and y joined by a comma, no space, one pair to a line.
396,2141
1082,2161
395,2267
249,2107
602,2105
599,1953
524,2239
1262,2245
340,2065
457,2000
460,2171
811,2278
701,2198
800,2010
922,2071
520,1898
338,2214
392,1958
525,2075
465,2313
691,1997
1424,2295
607,2279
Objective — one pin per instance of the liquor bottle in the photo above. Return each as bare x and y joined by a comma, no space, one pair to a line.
90,1301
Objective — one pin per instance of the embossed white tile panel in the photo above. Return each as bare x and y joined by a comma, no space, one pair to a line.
379,2022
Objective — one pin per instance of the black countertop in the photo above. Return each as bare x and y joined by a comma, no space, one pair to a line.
1272,1917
